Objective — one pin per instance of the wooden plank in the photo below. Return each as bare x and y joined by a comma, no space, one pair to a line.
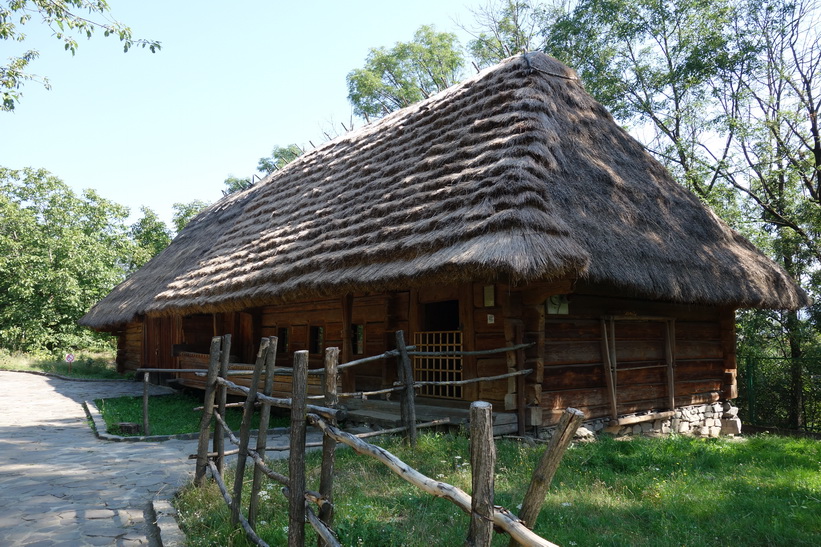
561,353
698,349
670,343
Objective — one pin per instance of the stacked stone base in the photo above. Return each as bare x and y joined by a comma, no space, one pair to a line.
708,420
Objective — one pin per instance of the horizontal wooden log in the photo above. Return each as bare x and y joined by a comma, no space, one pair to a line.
651,417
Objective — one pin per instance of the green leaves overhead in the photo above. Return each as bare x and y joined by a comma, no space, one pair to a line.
409,72
68,19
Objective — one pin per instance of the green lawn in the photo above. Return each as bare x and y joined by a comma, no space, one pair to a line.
678,491
90,366
168,414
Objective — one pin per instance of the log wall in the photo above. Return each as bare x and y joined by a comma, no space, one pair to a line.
130,348
571,364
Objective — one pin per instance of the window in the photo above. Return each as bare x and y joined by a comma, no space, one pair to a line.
358,339
316,339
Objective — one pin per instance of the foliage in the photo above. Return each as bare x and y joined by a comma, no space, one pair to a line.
279,158
67,19
184,212
168,414
409,72
87,366
638,492
151,236
506,29
59,254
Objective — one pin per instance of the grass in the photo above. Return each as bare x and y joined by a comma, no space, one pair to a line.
167,414
87,366
678,491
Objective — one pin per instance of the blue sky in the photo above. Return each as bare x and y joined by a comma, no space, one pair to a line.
233,79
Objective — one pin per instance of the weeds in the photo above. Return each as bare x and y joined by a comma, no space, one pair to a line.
764,490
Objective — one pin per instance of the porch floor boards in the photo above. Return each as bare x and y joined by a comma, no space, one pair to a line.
386,414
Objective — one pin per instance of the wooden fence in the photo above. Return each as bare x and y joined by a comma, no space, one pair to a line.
316,508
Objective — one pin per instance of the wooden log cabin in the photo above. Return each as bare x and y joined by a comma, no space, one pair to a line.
509,208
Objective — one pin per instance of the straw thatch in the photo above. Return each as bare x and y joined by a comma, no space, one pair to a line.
516,174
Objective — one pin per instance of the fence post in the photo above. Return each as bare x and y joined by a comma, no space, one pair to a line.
407,397
296,461
751,391
262,436
208,410
482,464
543,474
222,393
245,429
326,479
146,425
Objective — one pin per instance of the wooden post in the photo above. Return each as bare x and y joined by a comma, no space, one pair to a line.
296,461
521,400
609,374
543,474
408,395
245,429
262,436
222,394
326,480
146,425
208,410
670,357
482,463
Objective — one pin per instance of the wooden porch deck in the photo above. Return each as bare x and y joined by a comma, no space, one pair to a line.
387,414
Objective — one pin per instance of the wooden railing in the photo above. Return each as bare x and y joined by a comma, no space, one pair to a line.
484,515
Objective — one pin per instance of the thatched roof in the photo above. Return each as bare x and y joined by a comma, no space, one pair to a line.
516,174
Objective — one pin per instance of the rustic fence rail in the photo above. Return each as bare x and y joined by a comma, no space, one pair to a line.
484,514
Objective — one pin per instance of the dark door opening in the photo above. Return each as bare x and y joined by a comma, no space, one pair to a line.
440,316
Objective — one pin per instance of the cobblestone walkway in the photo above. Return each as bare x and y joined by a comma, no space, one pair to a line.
59,484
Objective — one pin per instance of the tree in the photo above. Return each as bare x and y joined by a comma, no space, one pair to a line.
656,65
59,254
506,29
150,235
64,19
184,212
409,72
777,162
727,95
279,158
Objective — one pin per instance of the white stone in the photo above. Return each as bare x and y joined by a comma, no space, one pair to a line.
684,427
584,433
704,431
731,426
731,412
715,431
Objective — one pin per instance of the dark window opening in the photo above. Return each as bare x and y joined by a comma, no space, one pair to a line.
283,342
358,339
441,316
316,339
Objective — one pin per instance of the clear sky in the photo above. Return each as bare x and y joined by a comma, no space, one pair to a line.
232,80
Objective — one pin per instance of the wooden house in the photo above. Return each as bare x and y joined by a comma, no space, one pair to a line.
508,208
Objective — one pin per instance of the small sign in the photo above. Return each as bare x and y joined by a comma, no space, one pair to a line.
557,305
70,358
491,319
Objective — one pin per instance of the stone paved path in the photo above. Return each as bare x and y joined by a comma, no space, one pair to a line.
60,485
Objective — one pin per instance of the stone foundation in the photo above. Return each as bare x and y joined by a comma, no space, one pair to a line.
708,420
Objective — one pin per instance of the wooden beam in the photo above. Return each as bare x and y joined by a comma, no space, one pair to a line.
609,366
